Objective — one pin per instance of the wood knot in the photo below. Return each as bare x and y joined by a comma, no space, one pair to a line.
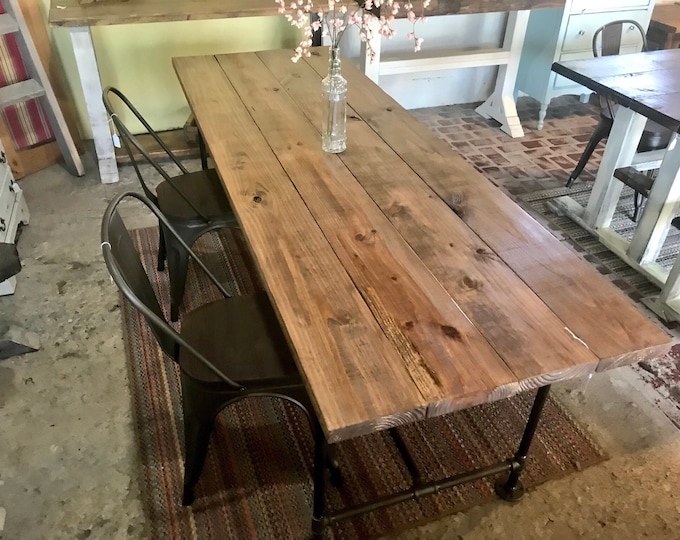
408,325
389,109
397,210
369,238
451,332
276,89
257,199
483,254
471,283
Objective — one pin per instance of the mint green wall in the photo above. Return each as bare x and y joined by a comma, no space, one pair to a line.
137,59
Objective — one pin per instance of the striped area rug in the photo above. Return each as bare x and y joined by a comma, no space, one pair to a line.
257,478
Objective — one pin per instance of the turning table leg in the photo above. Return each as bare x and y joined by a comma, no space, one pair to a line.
512,489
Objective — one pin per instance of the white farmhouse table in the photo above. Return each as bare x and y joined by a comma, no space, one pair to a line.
645,85
79,16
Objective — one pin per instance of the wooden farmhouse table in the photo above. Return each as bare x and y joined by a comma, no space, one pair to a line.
645,85
80,16
408,285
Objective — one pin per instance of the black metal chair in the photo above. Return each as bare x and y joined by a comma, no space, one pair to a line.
606,42
193,202
227,350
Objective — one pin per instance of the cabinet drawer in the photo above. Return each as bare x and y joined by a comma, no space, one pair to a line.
581,6
581,28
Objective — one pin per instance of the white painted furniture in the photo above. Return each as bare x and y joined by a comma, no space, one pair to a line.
500,105
80,17
13,211
555,35
645,86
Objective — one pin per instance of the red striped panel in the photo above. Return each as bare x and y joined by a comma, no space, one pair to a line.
26,121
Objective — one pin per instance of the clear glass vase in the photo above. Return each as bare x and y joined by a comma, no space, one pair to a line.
334,98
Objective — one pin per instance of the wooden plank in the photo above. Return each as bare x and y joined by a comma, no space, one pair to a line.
445,354
73,13
29,160
465,7
51,107
55,71
7,24
398,64
594,310
174,139
358,380
519,326
21,91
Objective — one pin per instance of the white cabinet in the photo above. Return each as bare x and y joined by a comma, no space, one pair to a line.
13,211
567,34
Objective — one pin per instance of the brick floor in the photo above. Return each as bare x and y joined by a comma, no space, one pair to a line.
539,160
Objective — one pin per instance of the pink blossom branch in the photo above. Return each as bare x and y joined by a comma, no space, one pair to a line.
333,23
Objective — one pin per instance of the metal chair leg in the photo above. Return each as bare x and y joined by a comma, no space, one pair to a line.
162,254
602,130
320,457
203,151
637,205
178,267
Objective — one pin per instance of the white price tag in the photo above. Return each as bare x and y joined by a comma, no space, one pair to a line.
116,140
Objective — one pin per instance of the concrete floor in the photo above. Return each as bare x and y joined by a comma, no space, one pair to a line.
68,461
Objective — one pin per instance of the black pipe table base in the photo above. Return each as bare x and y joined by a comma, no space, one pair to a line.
509,488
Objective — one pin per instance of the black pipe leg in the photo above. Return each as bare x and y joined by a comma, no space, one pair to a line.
512,489
320,457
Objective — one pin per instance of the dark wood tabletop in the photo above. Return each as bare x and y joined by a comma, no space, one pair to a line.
647,82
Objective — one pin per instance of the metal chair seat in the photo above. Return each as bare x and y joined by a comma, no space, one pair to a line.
204,190
654,136
239,327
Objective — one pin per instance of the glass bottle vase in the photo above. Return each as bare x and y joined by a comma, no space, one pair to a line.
334,99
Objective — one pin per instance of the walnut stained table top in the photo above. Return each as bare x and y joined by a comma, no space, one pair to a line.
408,285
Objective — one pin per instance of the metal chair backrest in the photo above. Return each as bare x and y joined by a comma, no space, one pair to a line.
129,140
127,271
609,37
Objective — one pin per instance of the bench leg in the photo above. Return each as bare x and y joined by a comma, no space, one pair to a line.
83,48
